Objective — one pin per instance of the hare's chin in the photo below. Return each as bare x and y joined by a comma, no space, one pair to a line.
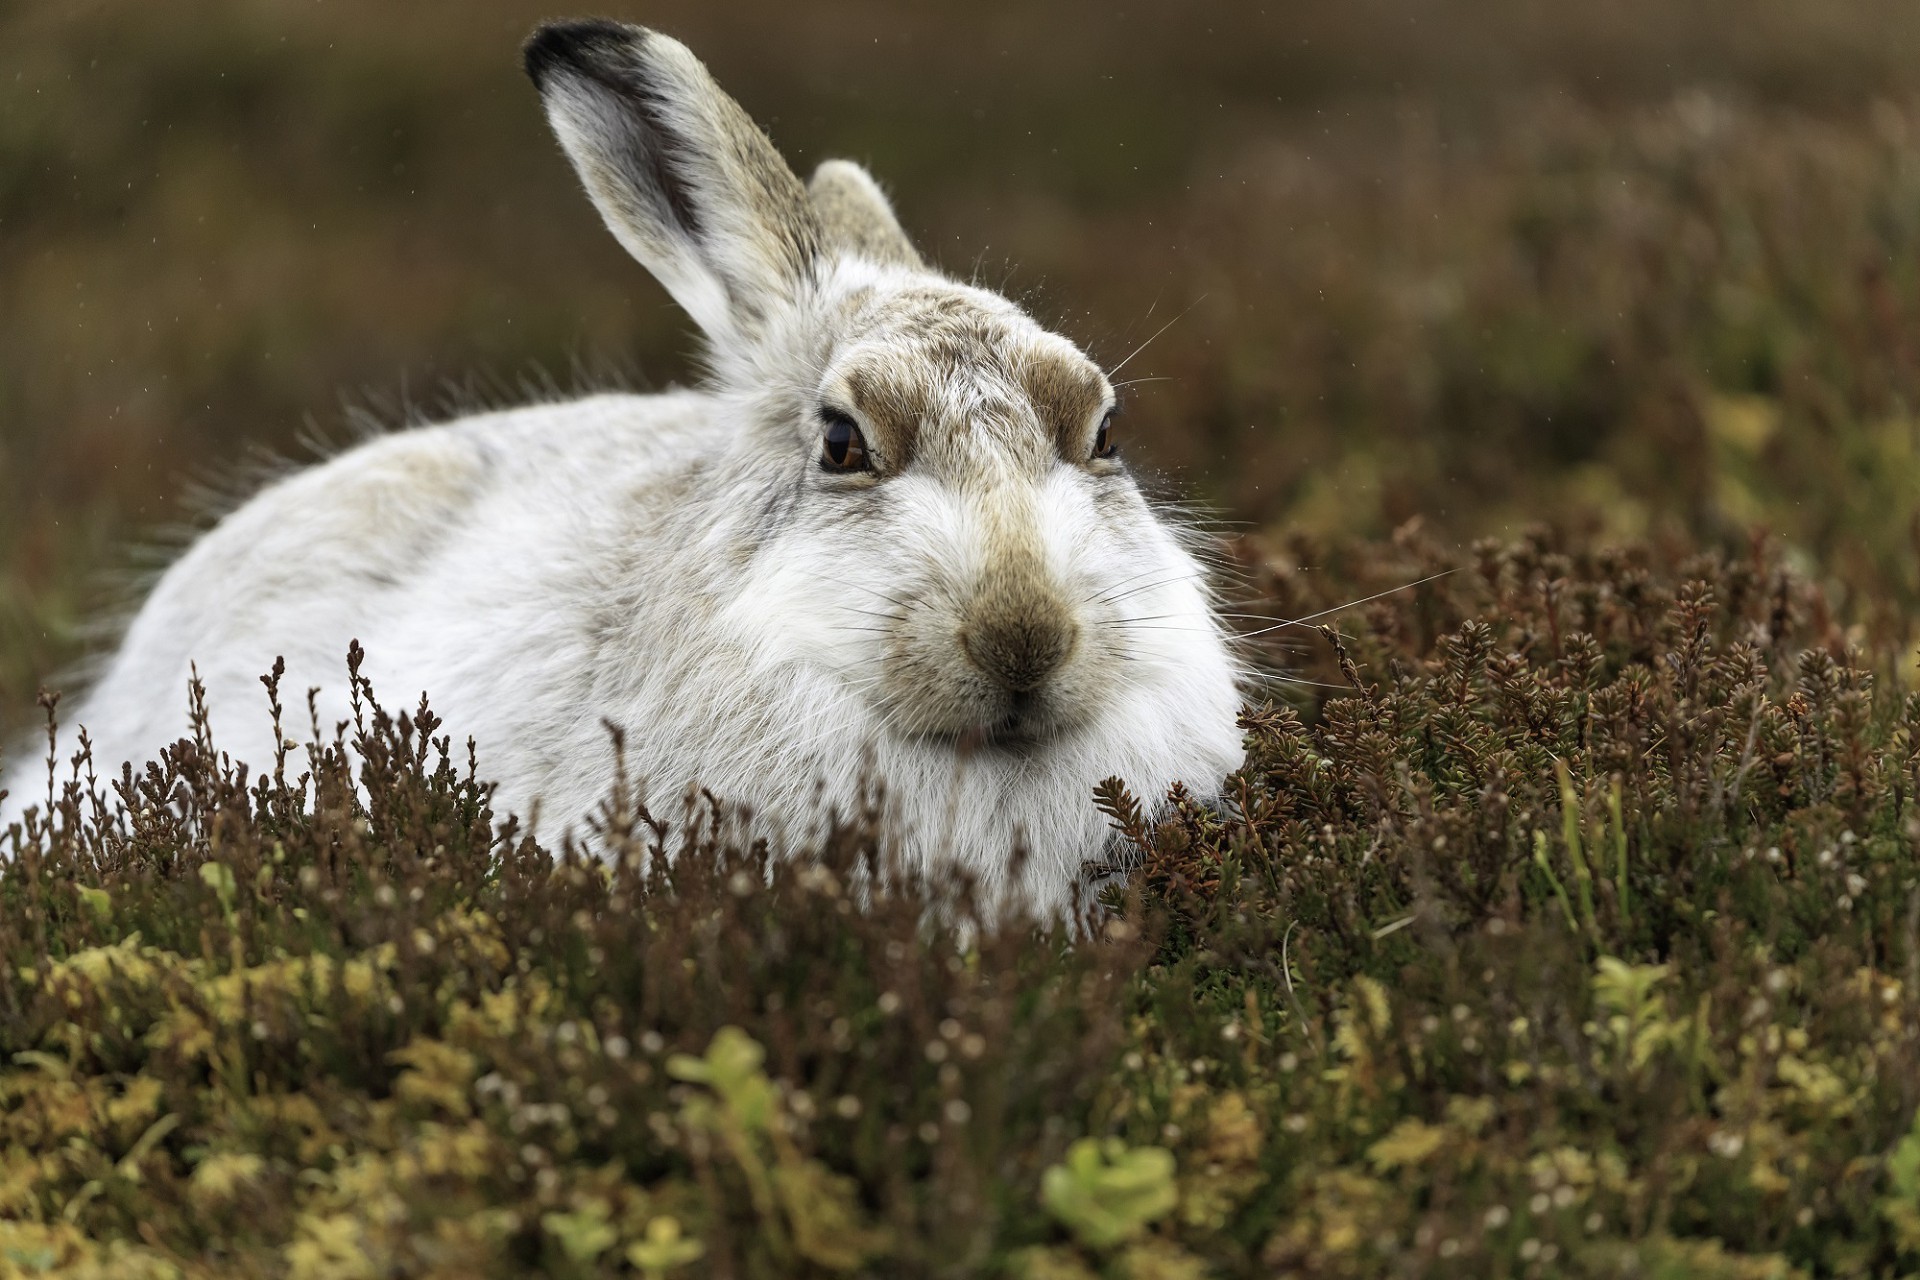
1024,728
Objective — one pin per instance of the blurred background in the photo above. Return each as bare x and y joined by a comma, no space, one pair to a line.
1632,270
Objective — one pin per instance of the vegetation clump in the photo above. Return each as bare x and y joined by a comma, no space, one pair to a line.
1568,928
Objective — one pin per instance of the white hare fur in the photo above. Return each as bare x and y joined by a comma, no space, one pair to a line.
988,621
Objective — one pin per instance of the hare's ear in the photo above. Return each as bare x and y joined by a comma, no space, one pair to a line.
681,174
855,217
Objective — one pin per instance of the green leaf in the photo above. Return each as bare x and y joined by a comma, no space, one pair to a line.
663,1249
1410,1143
1901,1209
218,877
585,1233
731,1068
1107,1194
823,1209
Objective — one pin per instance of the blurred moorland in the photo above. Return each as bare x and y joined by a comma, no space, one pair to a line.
1634,270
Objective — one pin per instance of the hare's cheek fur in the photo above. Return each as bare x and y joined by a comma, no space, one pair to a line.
1020,616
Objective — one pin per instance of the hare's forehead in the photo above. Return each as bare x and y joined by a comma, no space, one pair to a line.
937,366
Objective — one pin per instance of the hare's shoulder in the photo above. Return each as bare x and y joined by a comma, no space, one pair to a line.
588,443
379,511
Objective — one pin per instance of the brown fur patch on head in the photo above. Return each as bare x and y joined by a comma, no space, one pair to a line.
893,408
946,374
1069,395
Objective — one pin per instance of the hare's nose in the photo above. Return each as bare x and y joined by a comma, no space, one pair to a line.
1020,646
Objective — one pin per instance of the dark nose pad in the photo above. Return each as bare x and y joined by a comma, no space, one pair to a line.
1020,648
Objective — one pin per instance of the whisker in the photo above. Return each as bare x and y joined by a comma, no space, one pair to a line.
1276,678
1378,595
1156,334
1190,631
1250,617
1151,617
872,591
1116,597
1136,577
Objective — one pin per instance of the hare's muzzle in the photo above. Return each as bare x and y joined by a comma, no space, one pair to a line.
1018,642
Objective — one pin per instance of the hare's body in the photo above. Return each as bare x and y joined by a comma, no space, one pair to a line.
959,596
445,550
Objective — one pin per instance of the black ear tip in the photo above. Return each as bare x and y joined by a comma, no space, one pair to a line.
575,45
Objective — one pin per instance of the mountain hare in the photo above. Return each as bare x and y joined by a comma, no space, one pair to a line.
889,541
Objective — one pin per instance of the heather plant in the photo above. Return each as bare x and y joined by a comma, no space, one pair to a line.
1563,922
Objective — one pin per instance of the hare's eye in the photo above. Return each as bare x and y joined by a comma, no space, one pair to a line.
1103,444
842,447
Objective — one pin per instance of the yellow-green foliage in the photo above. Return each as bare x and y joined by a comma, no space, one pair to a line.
1107,1194
1571,934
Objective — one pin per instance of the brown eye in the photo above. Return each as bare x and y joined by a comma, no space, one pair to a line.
842,447
1103,445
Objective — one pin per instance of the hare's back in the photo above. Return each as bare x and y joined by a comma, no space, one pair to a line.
410,543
